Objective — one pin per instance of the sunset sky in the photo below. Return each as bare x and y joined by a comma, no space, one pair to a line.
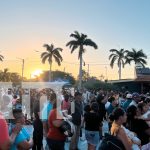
25,25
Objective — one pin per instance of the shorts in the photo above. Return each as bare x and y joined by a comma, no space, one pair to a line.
92,137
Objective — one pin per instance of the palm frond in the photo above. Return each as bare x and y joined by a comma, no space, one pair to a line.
44,58
73,48
75,35
113,61
112,55
57,60
89,42
57,54
44,54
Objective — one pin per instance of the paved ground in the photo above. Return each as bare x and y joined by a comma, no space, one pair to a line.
82,143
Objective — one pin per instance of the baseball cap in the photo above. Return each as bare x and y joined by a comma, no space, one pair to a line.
129,96
135,94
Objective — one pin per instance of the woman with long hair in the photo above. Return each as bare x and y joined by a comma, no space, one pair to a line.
138,125
119,117
92,126
55,138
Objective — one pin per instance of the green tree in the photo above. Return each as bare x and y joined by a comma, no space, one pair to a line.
58,75
138,57
51,52
15,77
5,75
79,41
120,57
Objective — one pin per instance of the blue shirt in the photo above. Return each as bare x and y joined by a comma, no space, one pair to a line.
110,109
46,110
22,136
126,104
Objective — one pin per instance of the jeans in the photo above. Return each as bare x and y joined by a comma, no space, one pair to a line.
75,138
55,145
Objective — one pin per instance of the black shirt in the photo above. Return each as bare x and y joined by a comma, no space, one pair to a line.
76,116
102,111
92,121
139,126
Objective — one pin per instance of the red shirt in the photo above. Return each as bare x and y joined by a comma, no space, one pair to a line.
65,105
3,130
54,132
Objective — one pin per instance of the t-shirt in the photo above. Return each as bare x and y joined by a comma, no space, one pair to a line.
110,109
76,116
54,133
139,126
126,104
66,105
92,121
22,136
46,111
3,130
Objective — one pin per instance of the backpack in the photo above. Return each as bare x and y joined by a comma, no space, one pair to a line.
110,142
67,128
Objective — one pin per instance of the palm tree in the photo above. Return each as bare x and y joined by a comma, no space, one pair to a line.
5,75
138,57
120,57
80,40
51,53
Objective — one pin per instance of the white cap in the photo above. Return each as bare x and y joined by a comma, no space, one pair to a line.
129,96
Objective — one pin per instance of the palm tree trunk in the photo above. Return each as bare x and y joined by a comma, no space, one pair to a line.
50,71
119,71
80,72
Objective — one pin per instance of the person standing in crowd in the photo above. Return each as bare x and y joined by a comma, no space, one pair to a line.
66,102
46,111
138,125
135,99
55,138
76,119
101,100
92,126
119,117
113,103
4,135
22,140
5,108
128,101
122,99
37,133
14,99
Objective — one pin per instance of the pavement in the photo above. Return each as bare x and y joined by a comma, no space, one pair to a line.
82,145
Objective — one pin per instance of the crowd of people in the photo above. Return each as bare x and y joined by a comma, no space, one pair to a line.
63,119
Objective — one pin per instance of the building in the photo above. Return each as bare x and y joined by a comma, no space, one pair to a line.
140,84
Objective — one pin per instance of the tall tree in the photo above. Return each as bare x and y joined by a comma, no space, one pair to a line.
51,52
120,57
5,75
138,57
79,41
